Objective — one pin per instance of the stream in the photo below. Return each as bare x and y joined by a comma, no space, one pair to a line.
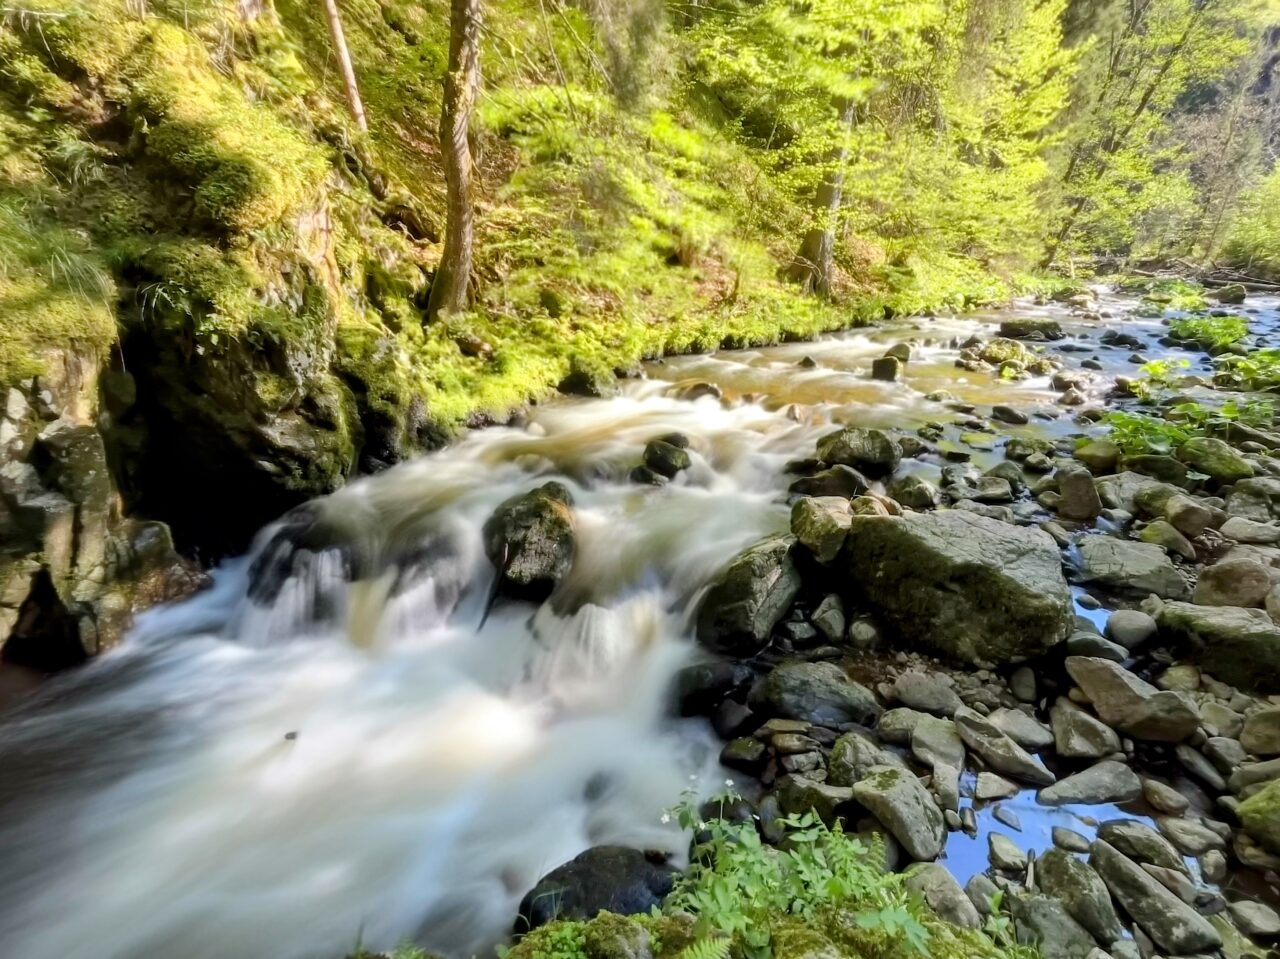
340,744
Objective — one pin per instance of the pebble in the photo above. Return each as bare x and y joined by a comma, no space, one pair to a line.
1023,684
1069,839
1164,798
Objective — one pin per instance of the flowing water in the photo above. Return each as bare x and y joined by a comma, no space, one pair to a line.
333,746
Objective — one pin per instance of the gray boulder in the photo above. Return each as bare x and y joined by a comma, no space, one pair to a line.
1082,891
1078,735
604,878
943,894
1238,646
1045,923
1216,459
1130,704
1141,843
1172,924
998,751
874,452
1233,582
903,806
1107,781
1261,733
748,599
969,588
1080,499
818,693
821,523
854,755
1135,568
926,692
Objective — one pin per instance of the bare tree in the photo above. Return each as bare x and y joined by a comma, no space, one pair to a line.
449,289
339,38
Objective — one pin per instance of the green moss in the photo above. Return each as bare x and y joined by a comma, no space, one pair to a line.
1260,816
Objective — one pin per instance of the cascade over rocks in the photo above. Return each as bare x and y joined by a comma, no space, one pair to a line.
749,598
969,588
530,540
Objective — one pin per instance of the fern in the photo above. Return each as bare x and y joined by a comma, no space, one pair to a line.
712,947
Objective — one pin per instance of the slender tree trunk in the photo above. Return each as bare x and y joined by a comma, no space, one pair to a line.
814,262
449,289
339,38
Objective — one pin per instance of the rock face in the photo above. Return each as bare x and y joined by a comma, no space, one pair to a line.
1136,568
1239,646
1171,924
816,693
604,878
895,797
530,539
748,599
1134,706
969,588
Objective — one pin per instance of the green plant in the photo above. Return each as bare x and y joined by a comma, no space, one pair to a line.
737,886
1210,332
1259,370
1137,433
1159,374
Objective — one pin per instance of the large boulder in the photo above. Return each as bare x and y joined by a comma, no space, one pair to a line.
817,693
1082,891
997,750
967,587
1031,328
604,878
1134,568
821,524
1132,705
874,452
1239,646
530,539
1215,459
1172,924
1260,816
1078,735
1233,582
904,807
1107,781
748,599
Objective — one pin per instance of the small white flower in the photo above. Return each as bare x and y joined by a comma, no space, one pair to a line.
665,818
729,783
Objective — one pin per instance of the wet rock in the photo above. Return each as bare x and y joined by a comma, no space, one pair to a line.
1161,533
1164,798
829,618
1136,568
1140,843
935,741
1079,497
982,892
915,492
798,795
1260,816
990,786
700,688
1242,646
854,755
1252,774
1188,516
602,879
1224,721
967,587
818,693
1261,732
588,379
530,538
821,523
1133,706
1046,924
1256,920
1170,923
897,799
1189,837
1004,853
896,725
1100,456
1233,582
1232,294
886,368
745,753
1091,644
1249,531
1025,730
837,481
999,751
666,459
749,598
1078,735
874,452
1107,781
1130,627
1216,459
1069,839
926,692
1120,490
1031,327
1181,678
1081,891
1164,468
943,894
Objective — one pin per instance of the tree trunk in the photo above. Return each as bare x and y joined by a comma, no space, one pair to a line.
449,288
339,38
814,261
